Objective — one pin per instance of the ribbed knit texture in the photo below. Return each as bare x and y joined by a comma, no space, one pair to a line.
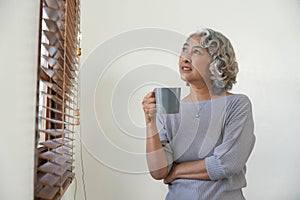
222,135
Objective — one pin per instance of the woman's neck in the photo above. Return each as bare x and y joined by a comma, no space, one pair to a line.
200,93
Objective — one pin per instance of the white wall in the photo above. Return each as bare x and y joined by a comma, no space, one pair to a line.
265,35
18,52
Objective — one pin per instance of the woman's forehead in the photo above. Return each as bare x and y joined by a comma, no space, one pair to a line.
194,39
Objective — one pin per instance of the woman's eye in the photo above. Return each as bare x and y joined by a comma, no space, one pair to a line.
184,49
197,51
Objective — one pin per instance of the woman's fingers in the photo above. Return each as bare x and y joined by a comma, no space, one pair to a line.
149,100
149,106
152,110
151,94
167,180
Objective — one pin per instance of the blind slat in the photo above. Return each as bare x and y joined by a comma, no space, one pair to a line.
55,98
62,159
49,155
52,74
56,132
46,76
47,192
53,38
67,175
49,179
56,121
52,4
53,87
62,150
52,13
56,75
52,49
51,144
53,27
55,64
63,140
62,169
49,167
59,112
58,99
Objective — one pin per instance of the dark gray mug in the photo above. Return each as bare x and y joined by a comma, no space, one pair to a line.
167,100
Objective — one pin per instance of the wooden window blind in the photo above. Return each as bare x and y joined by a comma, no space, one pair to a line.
57,98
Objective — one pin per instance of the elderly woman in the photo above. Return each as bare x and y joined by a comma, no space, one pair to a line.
201,152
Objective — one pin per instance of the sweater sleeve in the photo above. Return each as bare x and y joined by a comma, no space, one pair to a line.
231,155
165,141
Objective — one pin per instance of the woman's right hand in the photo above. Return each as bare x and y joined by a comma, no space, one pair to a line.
149,107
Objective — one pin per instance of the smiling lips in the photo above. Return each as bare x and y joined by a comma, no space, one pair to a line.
186,68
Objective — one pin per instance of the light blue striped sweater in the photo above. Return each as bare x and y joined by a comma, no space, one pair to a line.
222,135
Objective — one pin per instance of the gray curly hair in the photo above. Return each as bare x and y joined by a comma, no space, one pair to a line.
224,67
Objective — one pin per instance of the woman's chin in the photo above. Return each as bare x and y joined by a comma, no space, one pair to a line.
185,79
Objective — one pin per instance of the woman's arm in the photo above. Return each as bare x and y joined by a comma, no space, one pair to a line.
155,154
230,157
188,170
156,157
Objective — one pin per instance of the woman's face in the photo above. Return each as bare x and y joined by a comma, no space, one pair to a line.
194,62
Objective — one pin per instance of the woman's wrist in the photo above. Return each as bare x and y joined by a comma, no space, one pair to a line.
175,170
150,118
151,129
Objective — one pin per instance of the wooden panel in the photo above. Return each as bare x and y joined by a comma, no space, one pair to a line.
49,167
53,86
62,159
47,192
62,150
67,175
53,74
51,144
53,38
52,50
51,13
52,26
55,121
53,97
52,4
49,155
49,179
56,132
62,169
53,63
63,140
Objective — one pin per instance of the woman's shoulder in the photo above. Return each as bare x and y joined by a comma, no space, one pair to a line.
239,98
239,103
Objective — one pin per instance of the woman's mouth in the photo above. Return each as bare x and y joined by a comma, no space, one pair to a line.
186,68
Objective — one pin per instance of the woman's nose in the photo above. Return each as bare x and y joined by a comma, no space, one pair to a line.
186,59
